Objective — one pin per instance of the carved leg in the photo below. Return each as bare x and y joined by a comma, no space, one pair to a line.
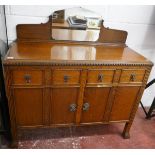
127,127
9,93
126,134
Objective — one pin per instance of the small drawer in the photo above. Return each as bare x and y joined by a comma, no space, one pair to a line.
100,76
66,77
27,77
132,76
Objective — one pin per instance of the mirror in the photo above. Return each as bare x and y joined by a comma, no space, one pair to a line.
76,24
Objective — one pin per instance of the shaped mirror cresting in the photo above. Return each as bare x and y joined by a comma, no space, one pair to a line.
76,24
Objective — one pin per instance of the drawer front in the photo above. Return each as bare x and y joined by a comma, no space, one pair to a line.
27,77
100,76
132,76
66,77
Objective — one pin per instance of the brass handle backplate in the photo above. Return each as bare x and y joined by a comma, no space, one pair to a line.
85,107
132,77
100,77
66,78
72,107
27,78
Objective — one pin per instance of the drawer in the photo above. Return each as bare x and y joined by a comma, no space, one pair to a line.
132,76
100,76
66,77
27,77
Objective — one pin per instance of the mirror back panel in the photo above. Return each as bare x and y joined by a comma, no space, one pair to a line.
73,25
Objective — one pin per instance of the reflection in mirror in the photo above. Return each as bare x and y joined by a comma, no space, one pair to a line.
76,24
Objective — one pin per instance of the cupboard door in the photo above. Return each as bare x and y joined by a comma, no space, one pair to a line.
29,106
124,100
95,100
63,105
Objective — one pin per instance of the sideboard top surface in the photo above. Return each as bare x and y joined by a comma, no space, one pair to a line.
75,53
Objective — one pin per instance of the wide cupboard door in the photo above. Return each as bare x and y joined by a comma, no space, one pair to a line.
95,101
63,105
28,106
124,99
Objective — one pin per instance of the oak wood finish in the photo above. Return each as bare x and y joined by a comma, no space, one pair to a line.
32,107
81,95
60,105
123,104
34,31
100,76
132,76
63,83
94,96
27,77
111,35
128,125
41,53
66,77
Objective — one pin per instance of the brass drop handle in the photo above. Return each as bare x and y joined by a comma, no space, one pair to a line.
100,77
132,77
72,107
85,107
27,78
66,78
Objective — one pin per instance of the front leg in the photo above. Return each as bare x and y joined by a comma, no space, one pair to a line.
126,134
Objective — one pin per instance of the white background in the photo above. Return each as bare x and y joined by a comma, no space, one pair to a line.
138,20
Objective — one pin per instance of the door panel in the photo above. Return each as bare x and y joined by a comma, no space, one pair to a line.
29,106
97,99
62,98
123,102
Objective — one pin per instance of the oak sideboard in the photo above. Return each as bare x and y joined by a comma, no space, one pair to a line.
53,83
